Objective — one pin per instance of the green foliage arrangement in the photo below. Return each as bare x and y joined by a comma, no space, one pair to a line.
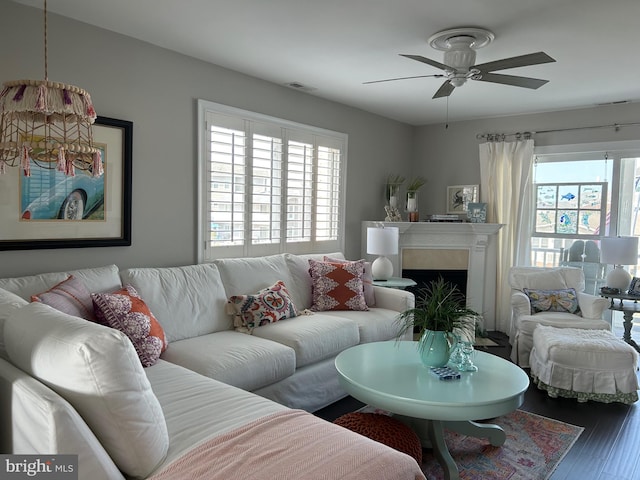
440,306
416,183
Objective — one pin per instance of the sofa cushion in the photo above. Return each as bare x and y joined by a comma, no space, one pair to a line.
374,325
561,300
337,286
298,266
69,296
536,278
9,302
267,306
313,337
96,370
367,280
124,310
528,323
251,274
241,360
198,408
36,419
98,279
188,301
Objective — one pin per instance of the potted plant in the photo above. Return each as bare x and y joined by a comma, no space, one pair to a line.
440,308
393,189
412,197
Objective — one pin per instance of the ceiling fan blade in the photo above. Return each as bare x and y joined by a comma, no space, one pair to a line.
445,90
428,61
513,62
401,78
525,82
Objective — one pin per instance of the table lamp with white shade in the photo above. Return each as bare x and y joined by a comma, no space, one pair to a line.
382,241
619,251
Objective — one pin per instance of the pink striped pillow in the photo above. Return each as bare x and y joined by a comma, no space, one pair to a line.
69,296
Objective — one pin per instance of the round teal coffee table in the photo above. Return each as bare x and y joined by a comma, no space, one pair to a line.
390,376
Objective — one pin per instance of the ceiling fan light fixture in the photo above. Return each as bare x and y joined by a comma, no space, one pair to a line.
475,37
458,81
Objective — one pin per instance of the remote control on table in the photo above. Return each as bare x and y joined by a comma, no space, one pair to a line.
445,373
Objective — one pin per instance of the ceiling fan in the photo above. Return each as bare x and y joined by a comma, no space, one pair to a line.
459,46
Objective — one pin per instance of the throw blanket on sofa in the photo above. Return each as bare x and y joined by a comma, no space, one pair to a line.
292,444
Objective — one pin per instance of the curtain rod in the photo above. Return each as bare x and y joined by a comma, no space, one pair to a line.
493,137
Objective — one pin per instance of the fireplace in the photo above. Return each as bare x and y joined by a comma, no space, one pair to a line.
423,278
454,250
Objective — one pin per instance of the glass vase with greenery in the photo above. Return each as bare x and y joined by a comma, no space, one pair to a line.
439,307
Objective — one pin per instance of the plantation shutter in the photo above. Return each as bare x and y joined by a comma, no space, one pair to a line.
269,187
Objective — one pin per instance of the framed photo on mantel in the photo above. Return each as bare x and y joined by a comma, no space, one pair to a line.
459,196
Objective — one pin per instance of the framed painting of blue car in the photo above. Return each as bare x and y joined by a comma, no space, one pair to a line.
52,210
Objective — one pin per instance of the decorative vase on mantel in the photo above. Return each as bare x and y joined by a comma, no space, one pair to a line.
412,198
393,194
412,206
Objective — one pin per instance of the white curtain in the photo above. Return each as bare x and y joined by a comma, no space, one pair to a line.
505,186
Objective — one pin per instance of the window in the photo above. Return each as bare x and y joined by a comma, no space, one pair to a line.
570,209
583,193
268,185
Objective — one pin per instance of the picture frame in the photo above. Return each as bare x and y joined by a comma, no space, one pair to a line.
477,212
459,196
108,228
634,287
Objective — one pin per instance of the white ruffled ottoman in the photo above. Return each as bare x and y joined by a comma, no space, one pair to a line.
584,364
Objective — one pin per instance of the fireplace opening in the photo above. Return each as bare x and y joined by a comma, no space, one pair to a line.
424,277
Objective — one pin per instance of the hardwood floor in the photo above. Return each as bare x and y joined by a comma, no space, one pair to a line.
606,450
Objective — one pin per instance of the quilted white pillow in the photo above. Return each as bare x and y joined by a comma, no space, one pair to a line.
96,370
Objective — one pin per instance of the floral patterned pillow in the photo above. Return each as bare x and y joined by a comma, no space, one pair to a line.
337,286
563,300
124,310
269,305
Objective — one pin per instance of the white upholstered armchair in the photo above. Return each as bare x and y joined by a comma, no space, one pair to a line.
524,319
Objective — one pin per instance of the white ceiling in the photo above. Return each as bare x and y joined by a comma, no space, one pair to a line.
333,46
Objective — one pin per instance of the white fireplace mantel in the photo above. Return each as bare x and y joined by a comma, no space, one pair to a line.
479,239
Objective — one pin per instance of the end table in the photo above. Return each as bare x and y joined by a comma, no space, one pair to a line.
395,282
627,309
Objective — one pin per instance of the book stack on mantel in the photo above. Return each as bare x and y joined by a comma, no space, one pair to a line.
444,218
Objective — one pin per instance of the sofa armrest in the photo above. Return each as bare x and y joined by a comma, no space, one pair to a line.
592,306
393,299
520,304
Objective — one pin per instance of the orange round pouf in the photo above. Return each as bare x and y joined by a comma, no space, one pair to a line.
384,429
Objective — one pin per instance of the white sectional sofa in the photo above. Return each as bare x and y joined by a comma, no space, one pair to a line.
68,385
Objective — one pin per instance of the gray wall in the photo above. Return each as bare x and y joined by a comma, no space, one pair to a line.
450,156
157,90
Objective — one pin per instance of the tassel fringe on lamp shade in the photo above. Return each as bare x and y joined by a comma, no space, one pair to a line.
48,124
619,251
383,242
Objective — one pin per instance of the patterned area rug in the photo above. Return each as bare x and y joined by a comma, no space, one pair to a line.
534,447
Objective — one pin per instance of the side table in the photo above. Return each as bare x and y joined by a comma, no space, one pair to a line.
395,282
627,309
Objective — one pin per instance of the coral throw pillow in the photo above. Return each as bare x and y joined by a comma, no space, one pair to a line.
563,300
367,280
69,296
124,310
337,286
267,306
